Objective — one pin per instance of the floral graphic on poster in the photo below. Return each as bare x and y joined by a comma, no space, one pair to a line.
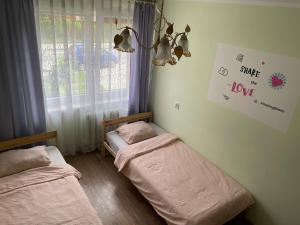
260,85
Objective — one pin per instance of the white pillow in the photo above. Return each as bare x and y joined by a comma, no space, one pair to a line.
15,161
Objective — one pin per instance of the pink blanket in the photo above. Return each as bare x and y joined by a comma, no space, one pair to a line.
45,195
183,187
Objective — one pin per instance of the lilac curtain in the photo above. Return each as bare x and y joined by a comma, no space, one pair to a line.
143,23
21,94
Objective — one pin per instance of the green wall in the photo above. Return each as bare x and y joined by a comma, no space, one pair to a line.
264,160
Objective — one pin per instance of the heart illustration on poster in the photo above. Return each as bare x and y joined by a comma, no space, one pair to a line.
276,81
266,92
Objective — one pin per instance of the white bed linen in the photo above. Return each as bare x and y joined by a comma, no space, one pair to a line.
55,156
116,142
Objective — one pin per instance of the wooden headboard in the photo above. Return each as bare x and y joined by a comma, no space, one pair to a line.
148,116
18,142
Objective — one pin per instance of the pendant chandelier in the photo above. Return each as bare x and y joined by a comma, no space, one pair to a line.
167,45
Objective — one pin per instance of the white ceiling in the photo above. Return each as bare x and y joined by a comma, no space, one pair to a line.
285,3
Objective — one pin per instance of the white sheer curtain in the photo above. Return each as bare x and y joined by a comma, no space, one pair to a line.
84,78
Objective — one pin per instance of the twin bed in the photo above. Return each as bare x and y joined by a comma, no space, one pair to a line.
48,194
183,187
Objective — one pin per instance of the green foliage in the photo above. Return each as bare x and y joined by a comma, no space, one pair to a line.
50,27
57,81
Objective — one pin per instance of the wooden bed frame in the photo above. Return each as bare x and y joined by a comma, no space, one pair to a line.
18,142
147,116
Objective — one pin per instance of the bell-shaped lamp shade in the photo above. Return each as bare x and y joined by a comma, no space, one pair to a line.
184,43
163,54
125,45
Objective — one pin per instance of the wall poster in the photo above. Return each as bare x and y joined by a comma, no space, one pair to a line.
260,85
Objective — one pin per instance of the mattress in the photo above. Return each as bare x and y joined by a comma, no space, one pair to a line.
116,142
55,156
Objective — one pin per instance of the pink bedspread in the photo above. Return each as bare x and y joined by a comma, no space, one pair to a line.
183,187
45,195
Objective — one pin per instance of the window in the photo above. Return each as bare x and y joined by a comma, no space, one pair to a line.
79,63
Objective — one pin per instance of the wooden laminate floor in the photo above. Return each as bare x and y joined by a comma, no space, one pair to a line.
115,199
